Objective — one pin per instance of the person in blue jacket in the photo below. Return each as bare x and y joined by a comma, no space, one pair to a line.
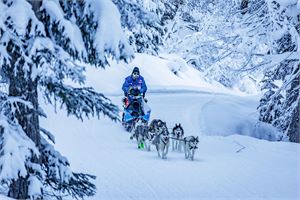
135,80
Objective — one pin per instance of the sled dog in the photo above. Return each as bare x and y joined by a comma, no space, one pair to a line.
149,139
140,132
190,145
154,125
161,140
177,135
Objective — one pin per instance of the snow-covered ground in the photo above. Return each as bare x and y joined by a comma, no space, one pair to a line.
227,165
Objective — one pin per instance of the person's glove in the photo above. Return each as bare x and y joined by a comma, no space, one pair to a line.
129,90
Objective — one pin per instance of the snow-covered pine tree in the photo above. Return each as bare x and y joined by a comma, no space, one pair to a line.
214,46
39,44
178,21
245,36
141,21
279,105
172,7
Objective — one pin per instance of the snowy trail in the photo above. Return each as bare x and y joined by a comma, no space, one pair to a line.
103,148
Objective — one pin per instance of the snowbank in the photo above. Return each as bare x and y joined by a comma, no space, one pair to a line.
229,115
168,73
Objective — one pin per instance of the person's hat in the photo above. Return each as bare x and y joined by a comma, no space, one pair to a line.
136,69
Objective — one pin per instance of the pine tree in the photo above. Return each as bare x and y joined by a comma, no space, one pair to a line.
39,44
142,25
279,105
171,9
213,46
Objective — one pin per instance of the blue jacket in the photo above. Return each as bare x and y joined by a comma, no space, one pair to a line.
139,83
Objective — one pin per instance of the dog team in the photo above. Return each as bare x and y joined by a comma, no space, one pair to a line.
157,134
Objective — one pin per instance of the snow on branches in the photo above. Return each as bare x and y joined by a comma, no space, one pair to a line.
142,24
80,102
41,43
279,105
17,150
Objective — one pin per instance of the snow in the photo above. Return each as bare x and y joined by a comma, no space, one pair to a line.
71,29
35,187
17,149
109,34
149,5
228,164
19,14
262,170
157,72
285,3
2,8
235,160
5,198
235,116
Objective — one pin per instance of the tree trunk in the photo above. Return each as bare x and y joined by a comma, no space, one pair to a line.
18,189
244,6
294,128
22,85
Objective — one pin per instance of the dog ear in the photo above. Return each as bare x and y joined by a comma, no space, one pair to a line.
197,138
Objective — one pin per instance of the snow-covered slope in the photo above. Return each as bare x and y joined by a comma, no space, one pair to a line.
226,166
232,167
165,73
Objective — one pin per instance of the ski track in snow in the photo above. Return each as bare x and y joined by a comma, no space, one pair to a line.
123,171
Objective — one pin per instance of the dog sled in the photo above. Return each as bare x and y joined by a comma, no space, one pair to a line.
135,107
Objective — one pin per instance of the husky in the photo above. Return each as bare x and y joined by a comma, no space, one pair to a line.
177,135
190,145
135,123
151,133
154,125
149,139
161,140
140,132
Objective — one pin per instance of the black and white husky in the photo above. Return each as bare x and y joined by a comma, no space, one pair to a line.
149,139
161,140
153,130
177,135
154,125
190,145
140,132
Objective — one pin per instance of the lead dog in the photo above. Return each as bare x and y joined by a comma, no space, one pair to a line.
140,132
177,135
190,145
